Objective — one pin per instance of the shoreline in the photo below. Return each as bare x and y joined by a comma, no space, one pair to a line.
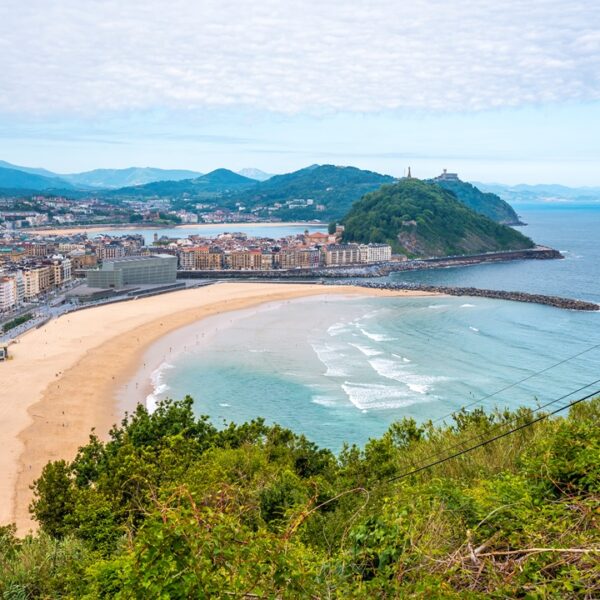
200,226
65,377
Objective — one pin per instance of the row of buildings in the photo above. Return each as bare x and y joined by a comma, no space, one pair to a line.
32,279
210,258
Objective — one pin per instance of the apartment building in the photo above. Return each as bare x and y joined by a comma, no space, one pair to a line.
375,253
342,254
37,280
299,258
8,293
246,260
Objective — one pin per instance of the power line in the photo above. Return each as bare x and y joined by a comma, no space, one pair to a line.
489,441
512,385
500,425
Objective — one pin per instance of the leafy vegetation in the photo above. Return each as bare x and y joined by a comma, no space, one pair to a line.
16,322
484,203
170,507
421,219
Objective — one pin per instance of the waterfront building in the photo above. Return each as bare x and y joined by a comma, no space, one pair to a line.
266,262
132,270
187,259
245,260
8,293
209,259
300,258
37,280
375,253
342,254
60,270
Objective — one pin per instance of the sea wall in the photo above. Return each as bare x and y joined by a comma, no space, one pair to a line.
557,301
379,270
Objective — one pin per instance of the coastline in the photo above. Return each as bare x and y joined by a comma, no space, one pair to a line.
200,226
65,377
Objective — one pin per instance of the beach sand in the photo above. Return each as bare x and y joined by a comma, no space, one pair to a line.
68,376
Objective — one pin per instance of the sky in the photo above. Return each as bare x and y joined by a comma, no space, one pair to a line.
498,91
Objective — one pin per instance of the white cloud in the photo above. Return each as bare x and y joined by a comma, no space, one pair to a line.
89,56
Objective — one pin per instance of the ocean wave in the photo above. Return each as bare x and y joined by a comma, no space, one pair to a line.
324,400
159,387
224,404
402,358
377,337
474,329
375,396
391,369
366,350
337,329
330,355
372,314
467,305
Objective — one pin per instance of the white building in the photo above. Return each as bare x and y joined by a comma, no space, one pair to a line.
375,253
8,293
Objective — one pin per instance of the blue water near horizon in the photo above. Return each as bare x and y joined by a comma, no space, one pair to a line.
341,370
573,231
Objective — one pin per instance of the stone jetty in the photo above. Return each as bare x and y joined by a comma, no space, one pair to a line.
557,301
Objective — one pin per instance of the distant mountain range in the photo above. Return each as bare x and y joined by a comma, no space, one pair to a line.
542,193
255,174
13,179
318,192
103,178
212,185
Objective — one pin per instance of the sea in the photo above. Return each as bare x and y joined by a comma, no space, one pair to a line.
270,230
341,369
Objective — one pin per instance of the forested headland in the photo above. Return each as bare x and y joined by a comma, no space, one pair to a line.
422,219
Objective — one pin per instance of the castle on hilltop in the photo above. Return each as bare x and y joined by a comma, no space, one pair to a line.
445,176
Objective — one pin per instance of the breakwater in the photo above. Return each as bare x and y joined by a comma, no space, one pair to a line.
556,301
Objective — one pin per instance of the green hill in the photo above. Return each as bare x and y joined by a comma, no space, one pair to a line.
13,179
485,203
171,507
421,219
212,185
331,189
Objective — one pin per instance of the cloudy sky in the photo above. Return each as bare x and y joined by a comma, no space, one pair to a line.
499,91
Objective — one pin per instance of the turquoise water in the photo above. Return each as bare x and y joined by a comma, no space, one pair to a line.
344,369
341,370
573,231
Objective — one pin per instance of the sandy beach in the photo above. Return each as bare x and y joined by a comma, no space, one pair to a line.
199,226
64,378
